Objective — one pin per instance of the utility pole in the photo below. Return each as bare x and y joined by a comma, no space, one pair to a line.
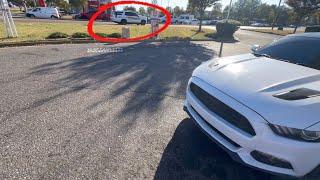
9,25
277,15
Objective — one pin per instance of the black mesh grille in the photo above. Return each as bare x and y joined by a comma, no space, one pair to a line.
222,110
216,130
270,160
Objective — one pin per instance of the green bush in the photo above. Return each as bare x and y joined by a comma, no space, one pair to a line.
102,34
227,28
312,29
57,35
114,35
177,38
80,35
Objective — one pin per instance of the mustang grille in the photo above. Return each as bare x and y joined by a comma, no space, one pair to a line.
224,111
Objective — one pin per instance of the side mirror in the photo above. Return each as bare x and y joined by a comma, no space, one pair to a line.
255,48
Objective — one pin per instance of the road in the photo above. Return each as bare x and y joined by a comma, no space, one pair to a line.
69,113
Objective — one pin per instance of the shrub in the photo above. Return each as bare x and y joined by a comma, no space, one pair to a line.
102,34
227,28
312,29
57,35
176,38
280,28
114,35
80,35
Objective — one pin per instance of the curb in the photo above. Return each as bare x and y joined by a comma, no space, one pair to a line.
45,42
83,41
264,32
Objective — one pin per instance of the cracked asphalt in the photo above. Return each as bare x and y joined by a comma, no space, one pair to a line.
66,113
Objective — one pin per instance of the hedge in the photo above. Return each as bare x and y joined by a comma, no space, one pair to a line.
57,35
227,28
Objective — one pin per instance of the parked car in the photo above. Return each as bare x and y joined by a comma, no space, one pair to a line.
87,15
260,25
194,22
43,12
173,19
185,19
128,17
263,107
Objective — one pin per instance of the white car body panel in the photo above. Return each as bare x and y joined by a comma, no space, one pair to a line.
247,84
254,80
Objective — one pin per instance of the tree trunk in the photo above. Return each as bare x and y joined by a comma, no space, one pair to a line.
299,22
200,23
25,7
295,29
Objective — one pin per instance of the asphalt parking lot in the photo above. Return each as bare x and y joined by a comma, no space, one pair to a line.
66,113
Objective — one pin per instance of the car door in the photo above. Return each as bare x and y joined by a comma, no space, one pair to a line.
42,13
132,17
36,12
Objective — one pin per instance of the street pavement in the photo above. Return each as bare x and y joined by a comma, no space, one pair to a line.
97,111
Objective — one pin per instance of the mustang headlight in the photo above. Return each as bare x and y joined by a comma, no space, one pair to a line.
297,134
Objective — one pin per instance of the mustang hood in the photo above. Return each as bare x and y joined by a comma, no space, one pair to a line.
256,82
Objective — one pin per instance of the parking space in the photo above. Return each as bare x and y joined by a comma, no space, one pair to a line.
71,113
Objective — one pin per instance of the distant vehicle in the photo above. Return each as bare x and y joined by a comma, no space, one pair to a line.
185,19
128,17
194,22
260,25
263,107
87,15
292,26
173,19
43,12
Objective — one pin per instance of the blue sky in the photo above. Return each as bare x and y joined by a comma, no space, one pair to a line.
183,3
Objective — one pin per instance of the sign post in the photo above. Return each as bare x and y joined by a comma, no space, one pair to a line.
154,26
9,25
154,20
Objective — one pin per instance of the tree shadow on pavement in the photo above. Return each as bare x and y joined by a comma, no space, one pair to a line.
192,155
146,70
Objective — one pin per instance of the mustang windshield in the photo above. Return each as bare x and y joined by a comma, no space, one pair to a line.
298,50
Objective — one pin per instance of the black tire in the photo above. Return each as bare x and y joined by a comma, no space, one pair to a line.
32,16
143,22
53,17
123,22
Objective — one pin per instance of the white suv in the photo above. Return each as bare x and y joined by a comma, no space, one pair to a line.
128,17
43,12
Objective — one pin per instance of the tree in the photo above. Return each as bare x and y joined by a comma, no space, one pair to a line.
150,10
130,8
58,3
78,4
303,9
246,10
142,11
216,11
200,6
169,9
177,11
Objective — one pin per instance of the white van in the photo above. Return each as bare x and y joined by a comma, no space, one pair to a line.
128,17
43,12
186,19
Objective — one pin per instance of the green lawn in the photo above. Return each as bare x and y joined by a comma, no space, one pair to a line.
40,30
